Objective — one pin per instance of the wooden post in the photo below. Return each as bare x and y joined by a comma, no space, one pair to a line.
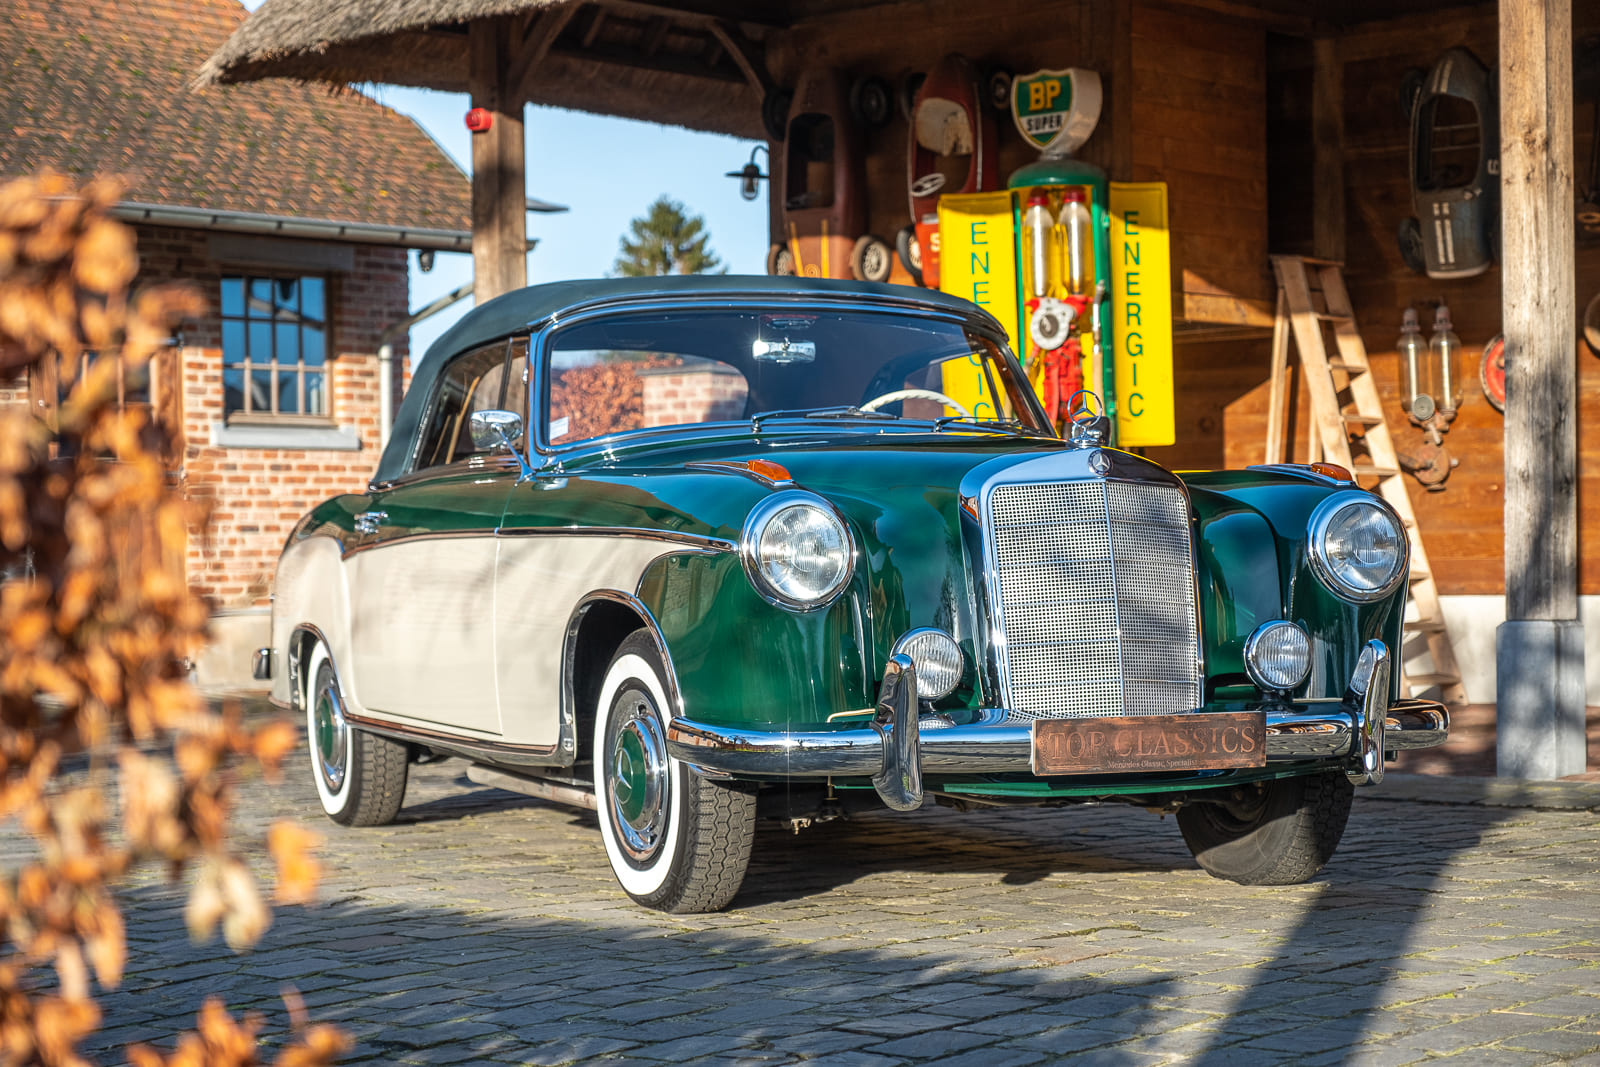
1327,150
499,184
1539,649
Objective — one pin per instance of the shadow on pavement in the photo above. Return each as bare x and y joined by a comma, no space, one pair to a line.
1010,938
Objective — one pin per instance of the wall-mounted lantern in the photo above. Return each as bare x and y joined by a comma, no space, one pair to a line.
749,175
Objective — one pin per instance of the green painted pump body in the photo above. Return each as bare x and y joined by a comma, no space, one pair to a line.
743,661
1065,172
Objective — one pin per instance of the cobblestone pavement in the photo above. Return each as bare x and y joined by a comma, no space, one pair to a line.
487,928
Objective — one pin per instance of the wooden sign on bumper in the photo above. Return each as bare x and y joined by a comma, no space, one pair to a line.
1135,743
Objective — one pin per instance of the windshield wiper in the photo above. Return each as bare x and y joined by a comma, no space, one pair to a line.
1004,424
837,411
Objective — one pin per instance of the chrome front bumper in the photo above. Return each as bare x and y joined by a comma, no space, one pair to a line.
896,750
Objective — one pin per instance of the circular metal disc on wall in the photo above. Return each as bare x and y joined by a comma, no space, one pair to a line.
1591,324
1492,371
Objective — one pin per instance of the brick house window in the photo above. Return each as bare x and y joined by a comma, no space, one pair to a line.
274,347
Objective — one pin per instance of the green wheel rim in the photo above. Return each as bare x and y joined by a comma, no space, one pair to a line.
637,784
331,735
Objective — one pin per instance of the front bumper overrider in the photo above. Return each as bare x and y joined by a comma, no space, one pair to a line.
895,750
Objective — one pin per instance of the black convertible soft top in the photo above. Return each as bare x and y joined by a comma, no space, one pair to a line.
524,309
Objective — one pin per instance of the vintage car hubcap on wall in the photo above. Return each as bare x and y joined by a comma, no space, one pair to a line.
637,777
332,737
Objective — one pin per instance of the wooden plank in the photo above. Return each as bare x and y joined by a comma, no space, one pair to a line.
1327,149
1330,438
1538,309
499,184
1278,402
1229,310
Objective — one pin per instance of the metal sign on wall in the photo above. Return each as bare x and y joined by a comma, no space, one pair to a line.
1141,314
978,262
1056,110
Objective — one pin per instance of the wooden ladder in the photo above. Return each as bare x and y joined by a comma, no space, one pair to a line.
1311,301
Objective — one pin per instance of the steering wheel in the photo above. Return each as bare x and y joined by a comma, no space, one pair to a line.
914,394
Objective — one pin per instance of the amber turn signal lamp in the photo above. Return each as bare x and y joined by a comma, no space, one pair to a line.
772,472
479,120
1332,470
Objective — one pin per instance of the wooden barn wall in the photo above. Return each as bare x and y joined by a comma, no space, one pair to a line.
1199,121
1195,119
1196,110
1462,525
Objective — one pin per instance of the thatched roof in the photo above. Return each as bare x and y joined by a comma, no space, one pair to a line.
651,62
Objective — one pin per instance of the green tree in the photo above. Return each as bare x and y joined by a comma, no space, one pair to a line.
664,240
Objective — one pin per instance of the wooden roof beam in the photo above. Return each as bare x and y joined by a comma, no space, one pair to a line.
536,38
743,52
685,66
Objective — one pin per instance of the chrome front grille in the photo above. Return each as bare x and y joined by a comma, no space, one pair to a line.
1096,584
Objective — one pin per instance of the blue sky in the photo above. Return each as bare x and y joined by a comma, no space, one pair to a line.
607,171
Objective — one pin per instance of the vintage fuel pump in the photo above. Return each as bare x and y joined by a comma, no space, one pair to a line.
1065,239
1043,259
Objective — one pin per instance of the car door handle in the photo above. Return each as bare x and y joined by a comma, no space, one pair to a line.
367,522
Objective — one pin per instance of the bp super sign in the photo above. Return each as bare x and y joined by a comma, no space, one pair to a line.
1056,110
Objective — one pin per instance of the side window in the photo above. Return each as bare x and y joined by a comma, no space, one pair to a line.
485,379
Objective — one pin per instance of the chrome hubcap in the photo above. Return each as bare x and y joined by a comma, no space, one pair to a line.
330,736
637,788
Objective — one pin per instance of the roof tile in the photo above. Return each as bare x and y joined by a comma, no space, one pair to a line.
90,87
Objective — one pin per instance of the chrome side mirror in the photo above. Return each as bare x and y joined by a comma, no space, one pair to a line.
496,429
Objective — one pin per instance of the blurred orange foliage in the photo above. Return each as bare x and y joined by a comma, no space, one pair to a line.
97,624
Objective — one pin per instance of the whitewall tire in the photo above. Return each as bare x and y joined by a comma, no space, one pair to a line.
677,841
360,777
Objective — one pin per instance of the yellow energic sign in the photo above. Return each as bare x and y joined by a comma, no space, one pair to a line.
978,262
1141,314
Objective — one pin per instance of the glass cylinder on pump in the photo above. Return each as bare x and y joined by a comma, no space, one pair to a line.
1077,242
1038,245
1413,353
1443,365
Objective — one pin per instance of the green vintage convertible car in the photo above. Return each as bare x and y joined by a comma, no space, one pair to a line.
694,552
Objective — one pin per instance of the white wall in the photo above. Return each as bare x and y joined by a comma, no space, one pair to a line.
1472,621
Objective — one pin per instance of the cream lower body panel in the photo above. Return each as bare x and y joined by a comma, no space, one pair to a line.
542,578
422,634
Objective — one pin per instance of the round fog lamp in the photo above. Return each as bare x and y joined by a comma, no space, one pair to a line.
1278,655
937,659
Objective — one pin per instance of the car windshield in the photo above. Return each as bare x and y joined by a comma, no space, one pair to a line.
680,368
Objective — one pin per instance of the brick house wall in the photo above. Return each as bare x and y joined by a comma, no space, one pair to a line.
671,396
257,494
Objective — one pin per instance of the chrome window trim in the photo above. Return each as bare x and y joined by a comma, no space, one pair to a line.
1067,465
697,543
692,543
539,347
749,537
1317,528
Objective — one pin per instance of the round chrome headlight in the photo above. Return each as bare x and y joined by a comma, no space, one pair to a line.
1357,546
797,550
937,659
1277,655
